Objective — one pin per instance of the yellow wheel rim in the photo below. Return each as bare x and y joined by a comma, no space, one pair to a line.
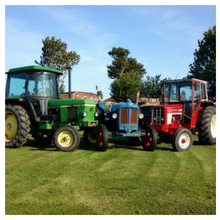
91,137
11,126
65,139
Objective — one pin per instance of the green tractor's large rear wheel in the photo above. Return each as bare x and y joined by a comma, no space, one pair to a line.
17,126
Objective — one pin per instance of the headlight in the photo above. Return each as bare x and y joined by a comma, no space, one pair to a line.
114,116
96,114
141,116
84,114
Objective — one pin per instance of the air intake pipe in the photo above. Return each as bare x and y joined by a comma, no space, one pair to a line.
69,80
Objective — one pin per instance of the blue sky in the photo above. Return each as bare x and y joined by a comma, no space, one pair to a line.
162,38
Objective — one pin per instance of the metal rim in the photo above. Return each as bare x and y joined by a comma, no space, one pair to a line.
11,126
65,139
184,140
100,137
213,126
147,140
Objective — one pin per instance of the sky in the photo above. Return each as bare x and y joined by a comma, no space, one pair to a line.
162,38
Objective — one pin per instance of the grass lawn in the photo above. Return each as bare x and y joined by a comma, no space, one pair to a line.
122,180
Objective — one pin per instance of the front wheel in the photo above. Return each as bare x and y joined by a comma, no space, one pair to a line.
102,137
66,138
182,140
149,141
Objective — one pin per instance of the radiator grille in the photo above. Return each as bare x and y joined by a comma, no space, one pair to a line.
71,113
134,116
124,116
158,115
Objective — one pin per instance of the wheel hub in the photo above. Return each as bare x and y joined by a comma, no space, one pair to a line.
184,140
11,126
213,126
65,139
100,138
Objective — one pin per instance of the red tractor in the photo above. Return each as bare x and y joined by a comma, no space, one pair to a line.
184,110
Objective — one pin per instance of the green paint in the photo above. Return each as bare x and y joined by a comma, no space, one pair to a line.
41,68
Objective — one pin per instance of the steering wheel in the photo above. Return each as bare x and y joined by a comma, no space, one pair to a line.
40,91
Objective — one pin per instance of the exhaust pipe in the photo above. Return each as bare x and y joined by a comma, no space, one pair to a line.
69,79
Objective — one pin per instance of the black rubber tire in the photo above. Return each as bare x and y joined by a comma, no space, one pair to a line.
134,141
149,141
72,132
102,137
204,125
23,126
41,138
90,136
181,133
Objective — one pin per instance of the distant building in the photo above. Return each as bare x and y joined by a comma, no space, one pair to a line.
80,95
148,101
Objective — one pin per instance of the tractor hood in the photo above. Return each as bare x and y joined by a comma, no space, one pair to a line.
71,102
127,104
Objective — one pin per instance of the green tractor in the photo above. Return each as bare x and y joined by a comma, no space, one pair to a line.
33,106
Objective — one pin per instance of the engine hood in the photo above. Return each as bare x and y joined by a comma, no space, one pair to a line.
71,102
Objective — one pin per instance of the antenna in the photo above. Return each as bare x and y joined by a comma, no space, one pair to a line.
177,75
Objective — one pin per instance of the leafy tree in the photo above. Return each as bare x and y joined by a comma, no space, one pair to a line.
125,87
122,64
204,65
99,92
55,55
151,86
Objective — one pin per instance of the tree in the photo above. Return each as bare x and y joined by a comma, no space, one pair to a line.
204,65
55,55
125,87
99,92
122,64
151,86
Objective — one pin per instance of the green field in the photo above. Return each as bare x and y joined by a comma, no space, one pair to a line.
122,180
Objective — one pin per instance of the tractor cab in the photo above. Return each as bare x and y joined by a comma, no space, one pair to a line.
35,85
183,98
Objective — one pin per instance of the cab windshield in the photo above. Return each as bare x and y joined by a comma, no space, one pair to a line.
178,92
42,85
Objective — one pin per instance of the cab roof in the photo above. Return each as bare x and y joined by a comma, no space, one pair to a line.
34,68
182,80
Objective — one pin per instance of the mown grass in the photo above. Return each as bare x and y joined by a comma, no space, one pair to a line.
123,180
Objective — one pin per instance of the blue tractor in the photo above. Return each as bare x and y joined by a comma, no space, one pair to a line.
121,120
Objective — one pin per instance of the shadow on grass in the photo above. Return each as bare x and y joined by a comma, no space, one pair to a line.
39,146
114,143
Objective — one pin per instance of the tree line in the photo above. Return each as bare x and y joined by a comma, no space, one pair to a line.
128,75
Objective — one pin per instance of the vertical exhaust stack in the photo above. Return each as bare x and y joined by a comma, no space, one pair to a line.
69,79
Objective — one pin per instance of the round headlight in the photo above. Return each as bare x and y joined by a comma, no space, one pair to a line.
141,116
84,114
114,116
96,114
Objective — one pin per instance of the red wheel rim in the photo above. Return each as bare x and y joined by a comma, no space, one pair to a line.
147,140
100,138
